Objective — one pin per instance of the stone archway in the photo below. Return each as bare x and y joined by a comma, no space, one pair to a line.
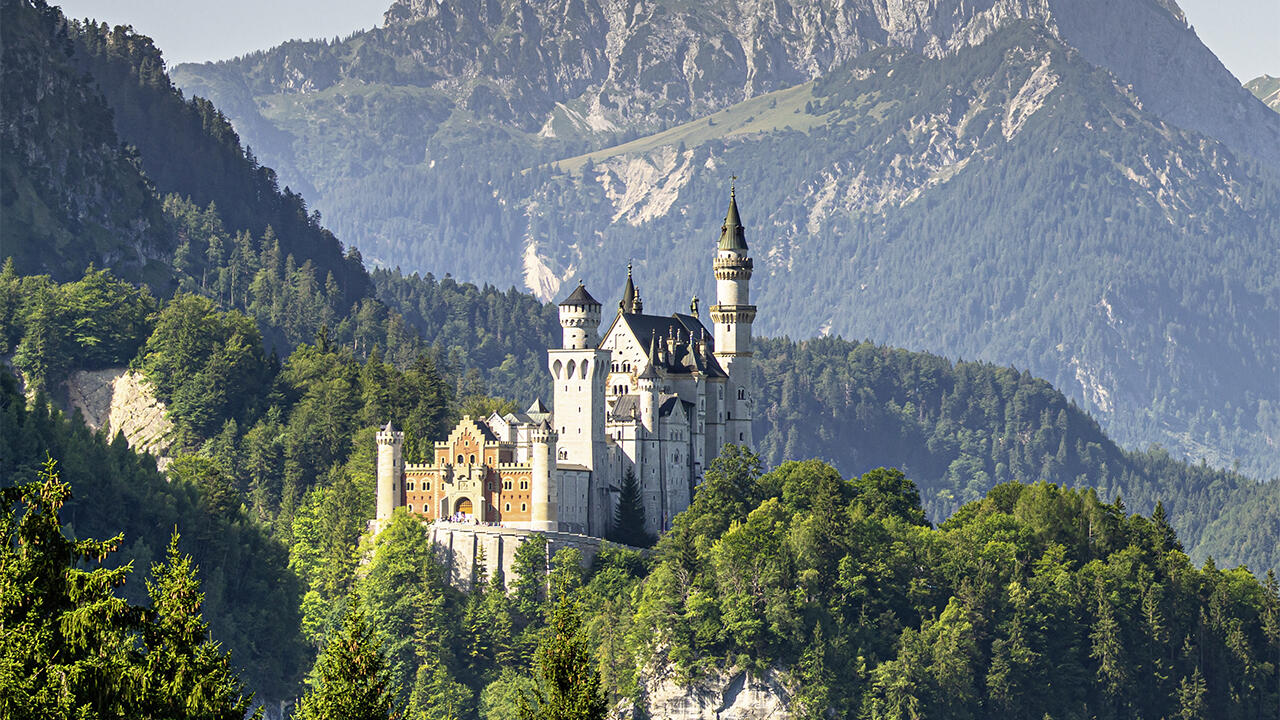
463,506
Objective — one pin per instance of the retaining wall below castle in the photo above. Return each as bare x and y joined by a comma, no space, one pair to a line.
460,546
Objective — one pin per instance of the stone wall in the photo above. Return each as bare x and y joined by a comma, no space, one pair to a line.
122,401
460,544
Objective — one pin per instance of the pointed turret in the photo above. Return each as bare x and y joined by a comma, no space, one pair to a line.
651,363
732,235
733,315
579,319
628,303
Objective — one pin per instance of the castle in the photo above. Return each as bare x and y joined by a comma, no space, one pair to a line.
658,397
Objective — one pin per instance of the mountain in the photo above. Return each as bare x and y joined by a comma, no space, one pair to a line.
70,191
1267,89
1017,182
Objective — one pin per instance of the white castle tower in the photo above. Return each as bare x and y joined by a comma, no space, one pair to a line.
390,470
733,314
578,372
544,495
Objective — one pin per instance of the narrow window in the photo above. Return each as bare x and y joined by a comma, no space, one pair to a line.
472,459
459,459
507,507
523,507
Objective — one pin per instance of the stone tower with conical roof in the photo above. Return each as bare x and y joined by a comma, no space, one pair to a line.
578,371
733,315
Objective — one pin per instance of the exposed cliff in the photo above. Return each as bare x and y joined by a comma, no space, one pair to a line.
122,401
732,694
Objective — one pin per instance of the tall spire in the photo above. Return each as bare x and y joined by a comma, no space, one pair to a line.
628,304
650,365
732,234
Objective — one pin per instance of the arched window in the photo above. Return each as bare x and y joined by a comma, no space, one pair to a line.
555,369
410,507
523,507
507,507
742,393
739,437
584,369
472,459
570,368
460,460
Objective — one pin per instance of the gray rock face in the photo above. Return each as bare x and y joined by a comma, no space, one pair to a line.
725,695
638,64
122,401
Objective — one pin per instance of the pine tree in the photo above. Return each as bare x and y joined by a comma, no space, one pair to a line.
628,516
350,679
437,696
569,686
185,674
65,632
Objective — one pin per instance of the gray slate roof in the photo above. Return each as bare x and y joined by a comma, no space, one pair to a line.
580,297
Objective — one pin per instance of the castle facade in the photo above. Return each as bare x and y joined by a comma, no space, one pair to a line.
655,396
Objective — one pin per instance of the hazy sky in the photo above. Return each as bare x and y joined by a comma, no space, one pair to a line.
1244,34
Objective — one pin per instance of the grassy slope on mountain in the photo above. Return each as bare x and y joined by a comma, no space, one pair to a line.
925,212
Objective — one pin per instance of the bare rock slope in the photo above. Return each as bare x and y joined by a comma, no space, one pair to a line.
122,401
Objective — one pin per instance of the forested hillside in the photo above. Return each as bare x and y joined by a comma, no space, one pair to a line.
252,597
959,428
1017,175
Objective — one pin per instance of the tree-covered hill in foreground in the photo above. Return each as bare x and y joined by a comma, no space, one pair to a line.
1031,602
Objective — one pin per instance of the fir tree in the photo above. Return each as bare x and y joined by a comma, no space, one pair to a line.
350,679
569,686
628,516
185,674
437,696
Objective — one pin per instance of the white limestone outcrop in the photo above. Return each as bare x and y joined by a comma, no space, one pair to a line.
122,401
732,694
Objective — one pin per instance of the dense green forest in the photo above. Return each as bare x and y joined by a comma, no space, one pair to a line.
1034,601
